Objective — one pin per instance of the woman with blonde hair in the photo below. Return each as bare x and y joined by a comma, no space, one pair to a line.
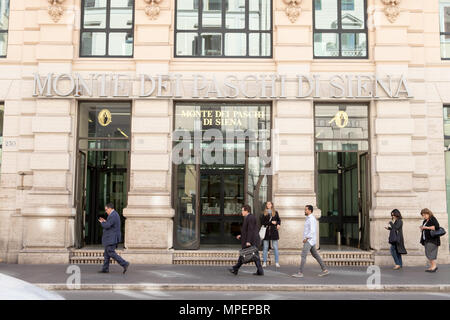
430,243
271,221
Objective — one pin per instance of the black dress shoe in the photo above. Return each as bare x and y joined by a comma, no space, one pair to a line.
125,268
258,274
235,272
103,271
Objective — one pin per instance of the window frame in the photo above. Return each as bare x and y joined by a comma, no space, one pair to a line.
340,31
6,31
223,30
107,30
442,33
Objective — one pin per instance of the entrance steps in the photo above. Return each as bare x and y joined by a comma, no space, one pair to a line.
205,257
348,258
229,257
89,256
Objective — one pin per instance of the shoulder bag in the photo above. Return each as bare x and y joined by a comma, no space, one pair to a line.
438,233
262,231
249,254
393,236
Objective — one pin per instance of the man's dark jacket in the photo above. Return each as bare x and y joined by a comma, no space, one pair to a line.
250,232
111,230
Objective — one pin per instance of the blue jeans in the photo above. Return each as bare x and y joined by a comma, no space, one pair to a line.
266,249
397,256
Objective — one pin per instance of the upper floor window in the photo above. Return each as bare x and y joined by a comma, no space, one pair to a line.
444,13
107,28
340,29
223,28
4,22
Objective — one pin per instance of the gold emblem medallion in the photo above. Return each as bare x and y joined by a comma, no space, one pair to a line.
340,119
104,117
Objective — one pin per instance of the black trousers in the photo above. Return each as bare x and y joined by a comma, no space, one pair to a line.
257,263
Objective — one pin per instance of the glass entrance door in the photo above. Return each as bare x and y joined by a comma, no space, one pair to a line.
103,166
364,200
343,175
343,195
222,196
107,182
338,197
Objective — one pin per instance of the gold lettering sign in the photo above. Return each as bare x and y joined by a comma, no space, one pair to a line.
104,117
340,119
223,117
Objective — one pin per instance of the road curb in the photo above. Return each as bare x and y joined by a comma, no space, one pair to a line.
244,287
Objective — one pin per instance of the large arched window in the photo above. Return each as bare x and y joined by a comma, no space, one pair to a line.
223,28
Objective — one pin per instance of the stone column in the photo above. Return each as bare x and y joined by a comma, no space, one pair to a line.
47,208
15,148
293,182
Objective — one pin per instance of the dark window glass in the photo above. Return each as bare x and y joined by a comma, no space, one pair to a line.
318,4
107,28
340,29
4,22
348,4
445,28
223,28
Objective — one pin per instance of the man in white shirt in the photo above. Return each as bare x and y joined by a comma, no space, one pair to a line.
309,243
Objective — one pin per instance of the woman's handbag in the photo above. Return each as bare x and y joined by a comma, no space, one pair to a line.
393,237
262,231
437,233
249,254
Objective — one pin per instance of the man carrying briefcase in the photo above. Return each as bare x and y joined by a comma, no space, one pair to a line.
250,241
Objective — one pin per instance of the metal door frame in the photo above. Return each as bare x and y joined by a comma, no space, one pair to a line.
80,200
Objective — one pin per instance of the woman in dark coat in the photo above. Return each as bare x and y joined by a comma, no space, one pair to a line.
271,220
396,238
430,243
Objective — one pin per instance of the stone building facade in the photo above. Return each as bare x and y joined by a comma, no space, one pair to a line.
397,146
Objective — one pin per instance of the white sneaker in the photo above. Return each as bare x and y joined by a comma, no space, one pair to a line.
264,265
323,273
277,265
298,275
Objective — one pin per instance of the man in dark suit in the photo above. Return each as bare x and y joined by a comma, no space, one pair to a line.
111,237
249,237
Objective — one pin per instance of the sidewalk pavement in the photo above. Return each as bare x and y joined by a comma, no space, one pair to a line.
217,278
